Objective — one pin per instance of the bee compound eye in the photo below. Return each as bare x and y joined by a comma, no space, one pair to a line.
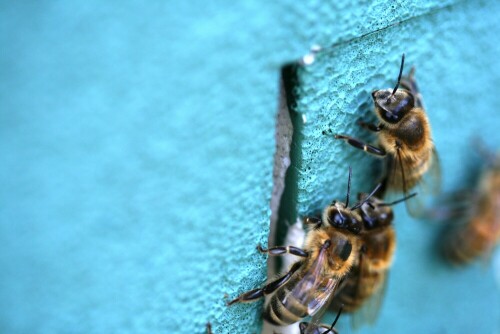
336,219
385,218
354,225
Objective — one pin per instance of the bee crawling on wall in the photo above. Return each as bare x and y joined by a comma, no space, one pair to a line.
477,231
404,140
333,246
363,289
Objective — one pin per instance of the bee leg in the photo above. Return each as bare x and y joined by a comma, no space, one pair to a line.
282,250
209,328
363,146
369,126
313,221
266,289
323,329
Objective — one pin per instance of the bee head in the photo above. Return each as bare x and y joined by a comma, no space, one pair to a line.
393,104
373,214
338,216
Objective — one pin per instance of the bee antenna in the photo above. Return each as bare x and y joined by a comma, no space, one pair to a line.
335,321
399,200
367,197
348,188
338,315
400,73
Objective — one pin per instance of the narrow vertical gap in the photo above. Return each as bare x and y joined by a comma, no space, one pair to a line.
283,138
287,160
286,164
287,210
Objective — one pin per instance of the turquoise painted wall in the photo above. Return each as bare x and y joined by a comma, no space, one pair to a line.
137,144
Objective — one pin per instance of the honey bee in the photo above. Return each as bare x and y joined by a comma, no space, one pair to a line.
405,141
331,248
480,232
365,285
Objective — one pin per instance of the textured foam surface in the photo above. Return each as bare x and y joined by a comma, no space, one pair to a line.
137,146
455,61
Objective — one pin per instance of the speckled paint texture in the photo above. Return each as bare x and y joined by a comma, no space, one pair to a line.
137,144
455,63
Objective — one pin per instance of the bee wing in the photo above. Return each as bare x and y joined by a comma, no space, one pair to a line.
315,291
431,180
315,327
427,188
458,206
368,313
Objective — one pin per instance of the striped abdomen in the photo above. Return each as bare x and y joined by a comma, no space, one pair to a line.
290,304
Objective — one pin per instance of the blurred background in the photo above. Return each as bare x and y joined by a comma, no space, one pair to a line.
138,141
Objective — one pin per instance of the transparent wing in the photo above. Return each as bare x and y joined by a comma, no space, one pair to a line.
456,208
427,187
315,327
369,311
430,183
315,291
455,205
312,291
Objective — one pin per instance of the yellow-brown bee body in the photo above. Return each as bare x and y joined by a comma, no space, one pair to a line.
293,301
479,236
404,140
368,276
332,246
410,141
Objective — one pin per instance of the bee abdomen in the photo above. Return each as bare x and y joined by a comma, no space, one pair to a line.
466,244
357,290
416,167
284,308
